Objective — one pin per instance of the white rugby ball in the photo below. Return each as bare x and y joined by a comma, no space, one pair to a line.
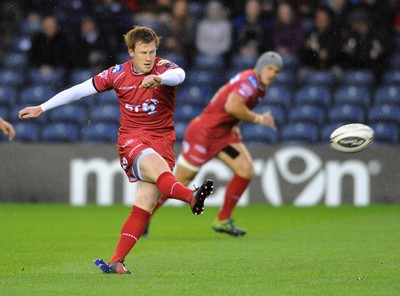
351,138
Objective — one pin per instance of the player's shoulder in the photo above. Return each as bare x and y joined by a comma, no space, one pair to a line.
247,84
120,67
162,63
250,77
247,77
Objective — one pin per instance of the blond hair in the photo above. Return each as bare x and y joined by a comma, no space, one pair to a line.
140,34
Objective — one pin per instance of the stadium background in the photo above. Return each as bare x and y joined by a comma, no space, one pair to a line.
308,103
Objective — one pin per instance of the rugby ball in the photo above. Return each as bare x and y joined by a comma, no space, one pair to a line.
351,138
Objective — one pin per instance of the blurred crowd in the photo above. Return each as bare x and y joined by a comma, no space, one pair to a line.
341,61
321,34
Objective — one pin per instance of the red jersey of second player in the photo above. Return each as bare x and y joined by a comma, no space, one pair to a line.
142,110
214,120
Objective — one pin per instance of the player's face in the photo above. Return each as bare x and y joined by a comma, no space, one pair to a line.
144,56
268,74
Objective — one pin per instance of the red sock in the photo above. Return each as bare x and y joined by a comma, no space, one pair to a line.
234,191
160,202
171,187
131,232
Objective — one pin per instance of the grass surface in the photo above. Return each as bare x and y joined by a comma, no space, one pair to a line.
49,249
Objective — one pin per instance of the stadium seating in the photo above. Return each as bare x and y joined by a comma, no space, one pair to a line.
387,94
241,62
12,77
79,75
357,78
279,96
180,128
326,130
20,43
318,78
32,95
107,97
61,132
391,77
14,60
8,95
186,112
39,77
301,100
4,112
176,58
255,133
71,113
386,133
290,62
307,114
299,133
105,113
356,95
286,79
346,113
277,112
195,95
100,132
207,62
394,61
208,79
27,131
384,114
122,57
313,95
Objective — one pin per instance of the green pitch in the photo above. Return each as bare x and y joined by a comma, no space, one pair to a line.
49,249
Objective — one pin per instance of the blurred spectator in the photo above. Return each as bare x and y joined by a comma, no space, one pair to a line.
162,6
214,31
305,11
114,19
319,48
69,14
133,5
32,23
9,17
340,10
91,49
251,29
43,7
288,32
50,48
364,46
380,14
396,17
181,31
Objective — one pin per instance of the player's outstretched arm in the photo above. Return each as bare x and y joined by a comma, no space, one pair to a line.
65,97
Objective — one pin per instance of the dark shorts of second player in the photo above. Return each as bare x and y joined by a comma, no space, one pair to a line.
198,147
131,146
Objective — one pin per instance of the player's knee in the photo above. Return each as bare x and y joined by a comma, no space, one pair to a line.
246,170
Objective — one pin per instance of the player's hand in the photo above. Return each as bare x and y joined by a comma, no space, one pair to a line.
30,112
150,81
7,129
267,119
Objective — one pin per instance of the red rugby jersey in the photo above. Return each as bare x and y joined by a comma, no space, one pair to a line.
214,119
142,109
